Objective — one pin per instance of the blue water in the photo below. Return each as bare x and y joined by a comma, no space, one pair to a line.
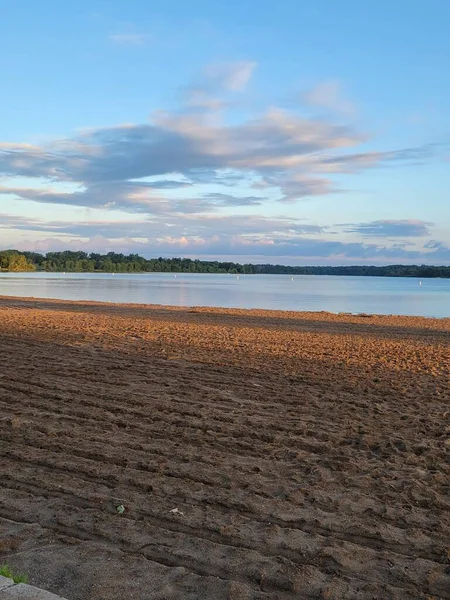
381,295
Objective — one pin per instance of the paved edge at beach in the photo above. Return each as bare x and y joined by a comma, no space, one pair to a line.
21,591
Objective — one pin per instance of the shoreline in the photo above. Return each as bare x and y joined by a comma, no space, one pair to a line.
286,274
255,454
221,309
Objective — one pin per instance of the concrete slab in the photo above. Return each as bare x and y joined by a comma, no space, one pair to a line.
26,592
5,582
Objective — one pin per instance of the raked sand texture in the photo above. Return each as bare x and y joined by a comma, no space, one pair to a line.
257,455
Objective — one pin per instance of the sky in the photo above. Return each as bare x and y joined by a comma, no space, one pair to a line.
294,132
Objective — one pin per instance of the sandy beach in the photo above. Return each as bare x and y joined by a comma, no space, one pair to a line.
256,454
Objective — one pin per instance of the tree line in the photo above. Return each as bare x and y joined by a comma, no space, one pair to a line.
82,262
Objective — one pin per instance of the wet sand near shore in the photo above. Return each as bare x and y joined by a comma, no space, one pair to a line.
257,454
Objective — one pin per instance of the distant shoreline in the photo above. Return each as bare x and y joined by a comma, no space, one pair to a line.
98,271
112,262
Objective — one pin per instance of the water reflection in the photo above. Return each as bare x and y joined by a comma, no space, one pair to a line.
380,295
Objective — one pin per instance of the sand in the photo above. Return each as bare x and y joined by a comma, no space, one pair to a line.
257,454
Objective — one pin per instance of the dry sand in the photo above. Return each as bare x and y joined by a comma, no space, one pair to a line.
307,454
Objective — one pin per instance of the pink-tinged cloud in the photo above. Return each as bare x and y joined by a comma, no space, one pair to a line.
329,95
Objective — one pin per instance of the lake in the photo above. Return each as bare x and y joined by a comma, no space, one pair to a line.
381,295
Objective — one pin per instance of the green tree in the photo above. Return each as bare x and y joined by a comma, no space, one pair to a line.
11,260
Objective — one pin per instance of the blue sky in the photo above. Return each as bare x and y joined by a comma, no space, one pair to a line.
294,132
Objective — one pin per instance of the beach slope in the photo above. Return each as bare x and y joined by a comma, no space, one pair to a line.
156,452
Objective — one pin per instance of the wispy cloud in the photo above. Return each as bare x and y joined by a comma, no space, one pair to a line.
129,39
212,87
233,76
393,228
329,95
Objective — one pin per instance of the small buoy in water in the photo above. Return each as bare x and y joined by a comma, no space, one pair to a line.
420,283
292,279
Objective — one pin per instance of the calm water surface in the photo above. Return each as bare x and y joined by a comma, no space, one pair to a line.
381,295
